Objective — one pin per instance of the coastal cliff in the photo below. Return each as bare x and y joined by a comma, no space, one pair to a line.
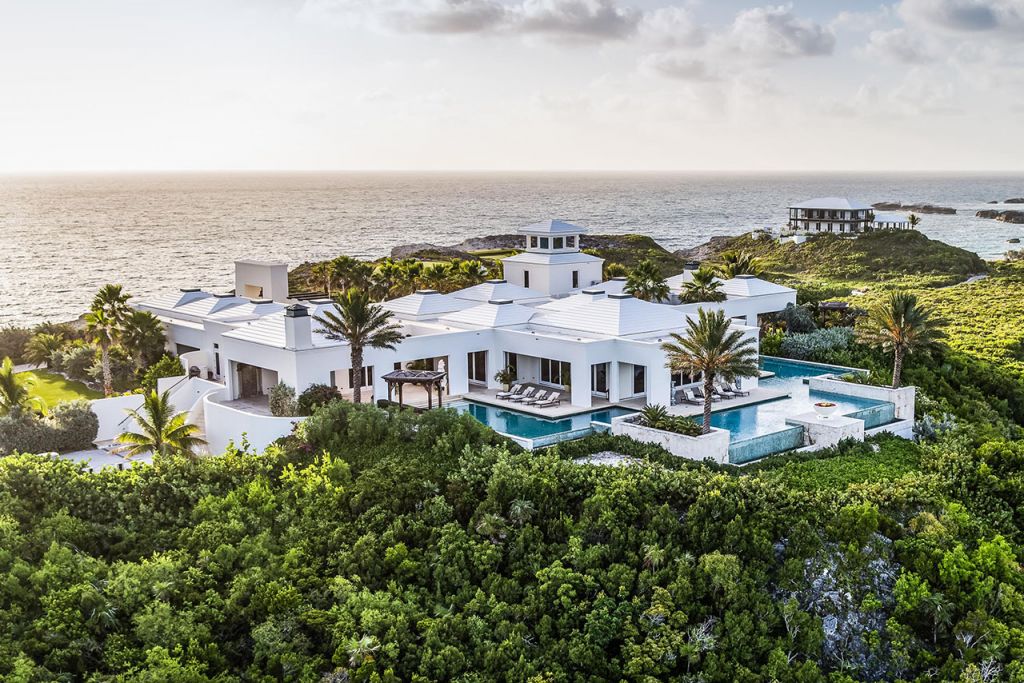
1004,216
916,208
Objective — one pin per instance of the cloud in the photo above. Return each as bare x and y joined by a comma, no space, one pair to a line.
775,32
966,16
897,45
576,19
677,65
671,27
450,16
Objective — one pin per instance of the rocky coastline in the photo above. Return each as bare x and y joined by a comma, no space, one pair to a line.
1016,217
916,208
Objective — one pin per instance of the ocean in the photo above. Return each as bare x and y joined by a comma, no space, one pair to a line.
64,236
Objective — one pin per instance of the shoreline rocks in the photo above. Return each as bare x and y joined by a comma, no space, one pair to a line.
1016,217
916,208
1014,200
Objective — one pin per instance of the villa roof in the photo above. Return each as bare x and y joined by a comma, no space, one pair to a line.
616,315
540,258
247,310
269,331
748,285
425,302
491,314
676,282
891,218
498,289
832,203
552,227
580,298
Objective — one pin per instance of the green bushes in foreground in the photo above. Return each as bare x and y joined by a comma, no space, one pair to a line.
68,426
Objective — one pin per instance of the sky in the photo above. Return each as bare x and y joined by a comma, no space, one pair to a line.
112,85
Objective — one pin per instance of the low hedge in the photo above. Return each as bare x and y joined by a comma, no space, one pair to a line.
70,426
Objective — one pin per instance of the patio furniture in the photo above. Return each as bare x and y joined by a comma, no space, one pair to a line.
735,388
536,398
554,399
690,397
519,398
504,395
699,393
723,391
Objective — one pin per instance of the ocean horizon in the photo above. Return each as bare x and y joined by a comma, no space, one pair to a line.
67,234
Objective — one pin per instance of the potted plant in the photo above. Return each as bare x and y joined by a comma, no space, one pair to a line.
824,409
505,377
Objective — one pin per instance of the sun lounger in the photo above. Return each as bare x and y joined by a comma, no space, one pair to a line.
536,398
553,400
518,398
723,391
699,393
690,397
735,388
516,388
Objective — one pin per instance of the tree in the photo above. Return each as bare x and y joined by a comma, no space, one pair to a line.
41,346
15,394
161,429
704,285
113,300
900,325
914,221
645,282
612,269
361,323
712,348
103,327
739,263
143,336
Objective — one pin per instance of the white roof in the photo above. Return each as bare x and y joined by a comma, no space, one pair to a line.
426,302
891,218
248,310
553,227
498,289
748,285
618,315
491,314
544,259
582,298
832,203
676,282
269,331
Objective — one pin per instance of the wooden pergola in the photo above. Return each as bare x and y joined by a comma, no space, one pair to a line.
428,379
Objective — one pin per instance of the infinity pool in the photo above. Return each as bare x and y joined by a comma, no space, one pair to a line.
515,423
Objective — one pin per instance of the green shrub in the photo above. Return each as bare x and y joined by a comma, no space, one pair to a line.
282,401
657,417
316,395
122,369
816,345
76,361
167,366
69,426
12,342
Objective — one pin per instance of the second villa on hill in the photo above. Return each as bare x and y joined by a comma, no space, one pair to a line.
552,320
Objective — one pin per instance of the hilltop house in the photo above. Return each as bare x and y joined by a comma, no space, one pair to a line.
840,215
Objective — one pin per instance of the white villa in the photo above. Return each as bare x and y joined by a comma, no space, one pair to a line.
552,320
842,216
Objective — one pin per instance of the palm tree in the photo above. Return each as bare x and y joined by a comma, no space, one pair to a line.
161,429
351,272
113,300
712,348
704,285
645,282
914,221
321,275
361,323
739,263
104,328
143,334
41,347
15,394
900,325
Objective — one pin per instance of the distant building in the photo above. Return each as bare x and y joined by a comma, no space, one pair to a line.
840,215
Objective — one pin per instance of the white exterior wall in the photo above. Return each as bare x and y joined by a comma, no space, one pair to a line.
903,398
225,424
253,276
112,413
714,445
553,279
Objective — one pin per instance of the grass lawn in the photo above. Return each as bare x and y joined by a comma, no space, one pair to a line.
53,388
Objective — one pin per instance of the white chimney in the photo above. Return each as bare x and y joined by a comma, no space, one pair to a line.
298,327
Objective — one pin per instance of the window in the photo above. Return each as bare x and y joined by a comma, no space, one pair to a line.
526,278
599,378
544,241
555,371
367,379
570,241
558,243
533,241
476,362
216,363
575,279
512,361
639,379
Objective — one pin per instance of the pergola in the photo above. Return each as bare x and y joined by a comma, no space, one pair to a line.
428,379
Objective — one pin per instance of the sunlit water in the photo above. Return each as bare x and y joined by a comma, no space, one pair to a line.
65,236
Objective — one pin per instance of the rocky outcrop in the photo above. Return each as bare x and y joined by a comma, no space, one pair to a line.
704,252
916,208
1014,200
1004,216
421,249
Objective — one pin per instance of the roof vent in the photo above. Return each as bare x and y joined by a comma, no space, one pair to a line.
224,296
497,282
746,276
188,290
593,292
692,265
257,302
500,302
620,296
296,311
619,278
424,292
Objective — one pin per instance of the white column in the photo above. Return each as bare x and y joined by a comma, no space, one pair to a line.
659,385
614,393
458,373
581,384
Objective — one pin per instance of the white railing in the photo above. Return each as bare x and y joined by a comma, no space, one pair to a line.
225,424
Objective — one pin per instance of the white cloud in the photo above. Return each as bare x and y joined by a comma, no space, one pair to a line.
671,27
897,45
967,16
576,19
450,16
677,65
775,32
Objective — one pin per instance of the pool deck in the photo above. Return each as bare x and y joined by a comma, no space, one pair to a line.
758,395
566,409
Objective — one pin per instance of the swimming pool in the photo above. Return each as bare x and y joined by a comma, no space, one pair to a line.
537,431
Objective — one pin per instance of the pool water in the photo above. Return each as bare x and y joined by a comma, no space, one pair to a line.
525,426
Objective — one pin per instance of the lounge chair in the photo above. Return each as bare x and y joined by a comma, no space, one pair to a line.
723,391
523,395
536,398
554,399
516,388
735,388
699,393
690,397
